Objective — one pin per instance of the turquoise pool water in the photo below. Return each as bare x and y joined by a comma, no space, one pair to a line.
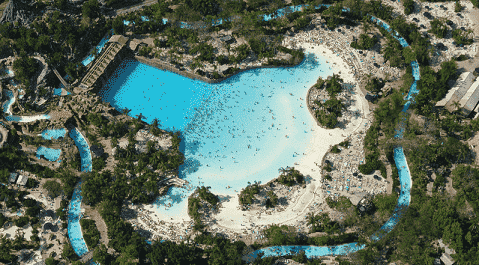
58,91
74,229
202,122
99,47
9,117
243,129
85,153
403,200
53,133
310,251
74,209
49,153
9,102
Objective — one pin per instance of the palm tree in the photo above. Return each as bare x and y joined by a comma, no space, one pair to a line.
456,105
126,111
140,116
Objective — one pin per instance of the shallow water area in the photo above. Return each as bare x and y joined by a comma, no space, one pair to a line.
50,134
49,153
238,131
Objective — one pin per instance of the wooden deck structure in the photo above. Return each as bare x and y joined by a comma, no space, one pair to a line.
98,70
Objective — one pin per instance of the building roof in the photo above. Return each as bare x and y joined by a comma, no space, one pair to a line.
22,180
470,99
13,177
119,38
457,91
447,259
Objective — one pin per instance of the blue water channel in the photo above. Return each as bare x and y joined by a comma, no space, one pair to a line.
403,200
74,228
209,131
74,209
11,99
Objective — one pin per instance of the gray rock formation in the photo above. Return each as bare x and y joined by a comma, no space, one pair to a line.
16,11
96,151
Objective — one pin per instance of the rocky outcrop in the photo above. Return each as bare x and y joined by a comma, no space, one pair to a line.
17,11
96,151
161,141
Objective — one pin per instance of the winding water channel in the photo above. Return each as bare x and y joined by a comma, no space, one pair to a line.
74,209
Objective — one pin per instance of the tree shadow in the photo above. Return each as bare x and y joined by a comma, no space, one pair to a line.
129,213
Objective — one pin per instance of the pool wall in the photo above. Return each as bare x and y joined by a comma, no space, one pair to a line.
160,65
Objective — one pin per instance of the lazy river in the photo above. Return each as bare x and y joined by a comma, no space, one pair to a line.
215,101
219,121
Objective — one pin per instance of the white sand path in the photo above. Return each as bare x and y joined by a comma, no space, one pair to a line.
231,218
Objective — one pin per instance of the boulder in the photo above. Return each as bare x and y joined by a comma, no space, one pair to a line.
428,15
366,205
441,46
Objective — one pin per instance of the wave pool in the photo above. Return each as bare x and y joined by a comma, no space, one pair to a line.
242,129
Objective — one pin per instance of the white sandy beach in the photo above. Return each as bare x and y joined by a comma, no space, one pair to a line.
230,215
230,218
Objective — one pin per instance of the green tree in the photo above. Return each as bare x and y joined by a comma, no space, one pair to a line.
205,7
68,252
90,9
118,26
408,55
462,37
24,68
408,6
51,261
438,28
53,188
60,3
457,7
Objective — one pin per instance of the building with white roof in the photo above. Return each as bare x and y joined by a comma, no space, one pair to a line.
470,99
457,91
22,180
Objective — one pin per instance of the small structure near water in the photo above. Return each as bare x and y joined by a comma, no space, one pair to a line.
13,177
106,63
464,96
22,180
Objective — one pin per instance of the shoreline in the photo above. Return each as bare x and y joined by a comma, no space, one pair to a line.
230,220
157,63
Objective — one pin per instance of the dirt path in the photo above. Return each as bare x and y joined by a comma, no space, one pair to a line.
93,214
